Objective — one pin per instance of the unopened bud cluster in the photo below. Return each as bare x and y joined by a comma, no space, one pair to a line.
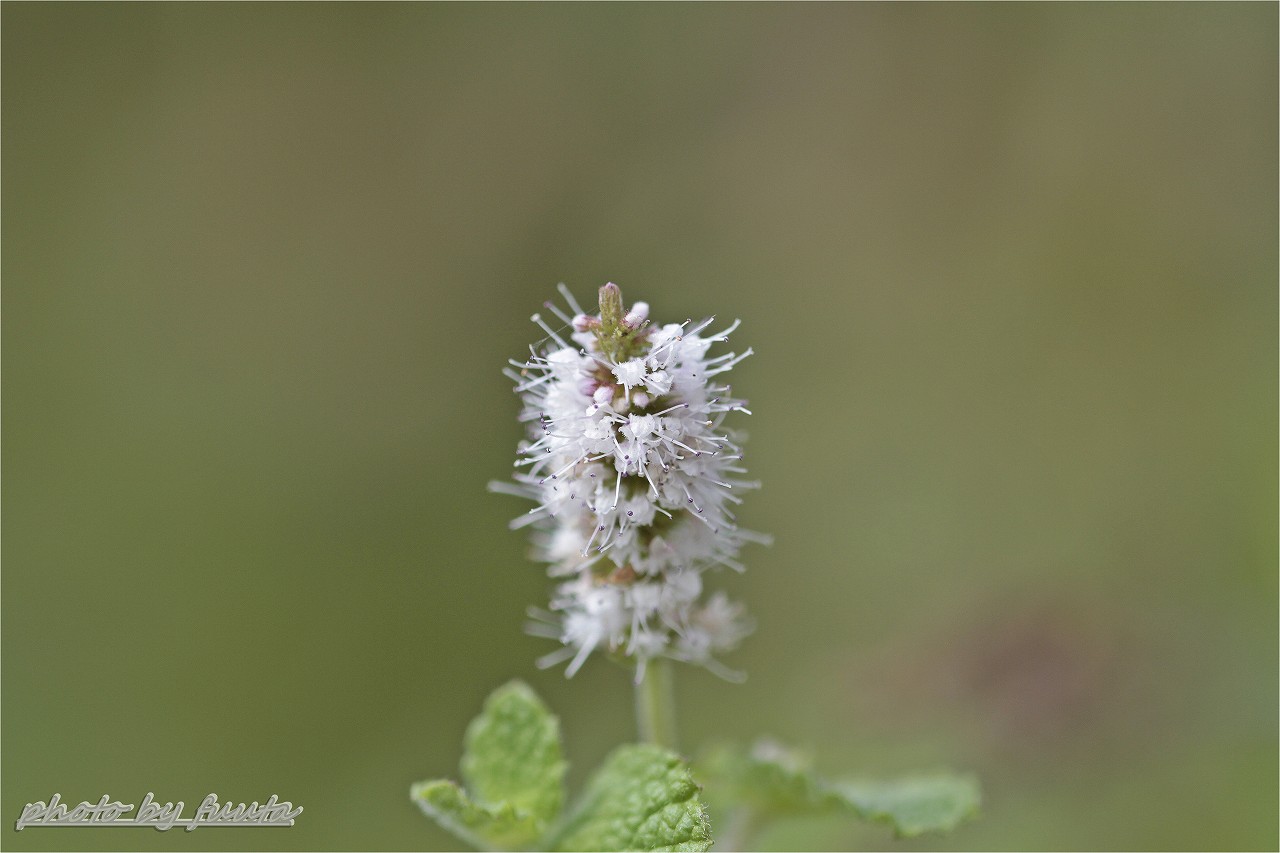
634,478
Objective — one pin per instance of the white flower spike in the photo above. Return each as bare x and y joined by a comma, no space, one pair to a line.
634,478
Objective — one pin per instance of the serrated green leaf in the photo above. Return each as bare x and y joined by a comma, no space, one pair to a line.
489,828
513,754
774,781
513,772
644,799
913,805
771,779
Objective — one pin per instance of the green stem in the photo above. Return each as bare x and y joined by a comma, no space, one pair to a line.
655,705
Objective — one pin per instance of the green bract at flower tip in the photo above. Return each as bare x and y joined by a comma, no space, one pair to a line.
619,333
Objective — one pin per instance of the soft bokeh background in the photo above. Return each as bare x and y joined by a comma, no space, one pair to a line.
1011,272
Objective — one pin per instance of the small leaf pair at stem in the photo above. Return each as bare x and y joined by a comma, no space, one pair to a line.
642,798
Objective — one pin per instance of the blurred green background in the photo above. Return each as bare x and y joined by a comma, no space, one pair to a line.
1011,272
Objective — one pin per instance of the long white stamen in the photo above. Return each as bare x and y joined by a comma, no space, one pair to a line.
568,297
537,318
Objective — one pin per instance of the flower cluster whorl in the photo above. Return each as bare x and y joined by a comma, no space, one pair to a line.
634,478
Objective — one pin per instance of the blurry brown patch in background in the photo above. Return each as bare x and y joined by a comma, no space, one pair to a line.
1027,671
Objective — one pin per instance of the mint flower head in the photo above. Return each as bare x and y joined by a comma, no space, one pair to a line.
635,479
